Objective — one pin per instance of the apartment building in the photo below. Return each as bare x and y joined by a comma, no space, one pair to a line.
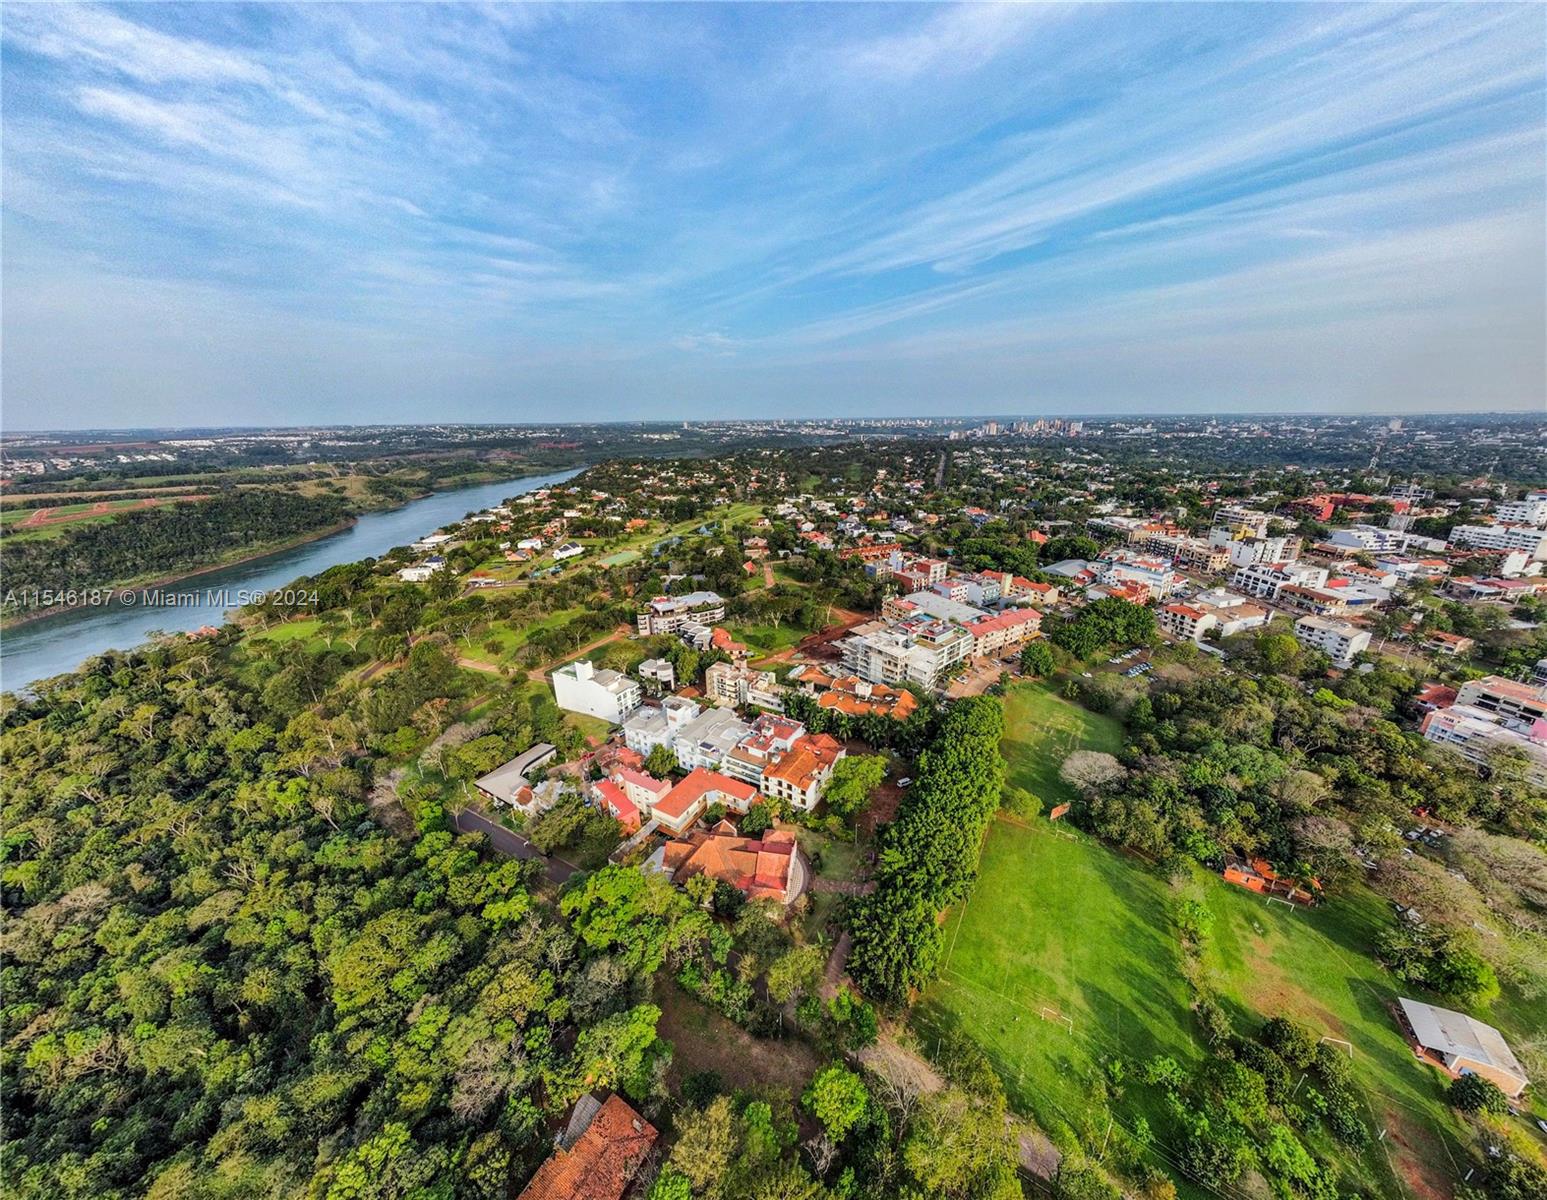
1318,602
1502,537
1262,581
1234,614
708,738
1480,735
919,649
798,776
995,633
1186,622
1154,575
1243,551
767,741
1505,698
1241,521
1530,511
655,725
1338,640
1370,538
610,695
666,614
737,685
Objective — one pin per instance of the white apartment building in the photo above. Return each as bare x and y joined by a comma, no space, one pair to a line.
1187,622
1244,551
1479,735
1505,697
1338,640
1530,511
1262,581
919,650
1240,520
655,725
666,614
737,685
1235,614
706,740
1153,574
580,687
1371,538
1502,537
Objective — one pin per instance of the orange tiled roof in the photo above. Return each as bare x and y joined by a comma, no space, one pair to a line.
699,783
601,1163
807,759
758,867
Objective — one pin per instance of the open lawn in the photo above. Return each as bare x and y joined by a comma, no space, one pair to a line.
304,629
1065,955
1041,730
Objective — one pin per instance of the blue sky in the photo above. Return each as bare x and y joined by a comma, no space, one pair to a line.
256,214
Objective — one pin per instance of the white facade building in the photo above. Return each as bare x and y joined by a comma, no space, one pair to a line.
1338,640
1530,511
580,687
1502,537
1262,581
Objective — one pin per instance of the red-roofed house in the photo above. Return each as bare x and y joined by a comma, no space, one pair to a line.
611,798
600,1159
686,802
761,868
800,775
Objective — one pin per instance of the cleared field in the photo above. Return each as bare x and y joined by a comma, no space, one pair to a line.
1066,956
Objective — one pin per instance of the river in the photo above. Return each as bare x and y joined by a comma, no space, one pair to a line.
53,645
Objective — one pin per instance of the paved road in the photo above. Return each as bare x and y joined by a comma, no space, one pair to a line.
513,844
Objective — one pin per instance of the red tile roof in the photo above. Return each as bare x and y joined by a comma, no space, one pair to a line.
758,867
601,1164
699,783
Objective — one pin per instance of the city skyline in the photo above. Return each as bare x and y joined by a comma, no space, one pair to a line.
307,216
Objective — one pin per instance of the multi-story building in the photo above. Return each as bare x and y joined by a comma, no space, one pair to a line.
655,725
1241,522
1014,587
580,687
994,633
1505,697
681,807
1262,581
1244,551
983,589
659,674
1502,537
1232,614
769,739
918,649
798,776
852,695
708,738
1154,575
1530,511
1370,538
666,614
1318,602
737,685
1188,622
1338,640
1482,736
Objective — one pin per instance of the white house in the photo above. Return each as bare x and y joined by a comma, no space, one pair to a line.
567,550
580,687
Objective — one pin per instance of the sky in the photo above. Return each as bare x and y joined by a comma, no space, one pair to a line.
308,214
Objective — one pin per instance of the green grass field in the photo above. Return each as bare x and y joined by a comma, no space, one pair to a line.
1065,955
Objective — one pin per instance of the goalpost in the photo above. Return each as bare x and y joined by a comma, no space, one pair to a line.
1052,1014
1347,1045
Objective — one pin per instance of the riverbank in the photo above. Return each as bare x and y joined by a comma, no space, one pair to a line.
109,593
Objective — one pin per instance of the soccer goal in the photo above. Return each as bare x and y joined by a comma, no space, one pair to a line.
1052,1014
1347,1045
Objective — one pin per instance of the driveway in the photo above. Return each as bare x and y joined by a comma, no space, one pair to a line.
469,820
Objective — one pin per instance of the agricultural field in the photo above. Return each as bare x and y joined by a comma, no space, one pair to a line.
1066,957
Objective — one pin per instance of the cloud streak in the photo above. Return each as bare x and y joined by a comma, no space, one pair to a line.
690,207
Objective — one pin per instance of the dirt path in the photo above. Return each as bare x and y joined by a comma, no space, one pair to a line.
836,962
473,664
42,517
538,674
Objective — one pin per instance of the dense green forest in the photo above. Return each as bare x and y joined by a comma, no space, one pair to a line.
160,541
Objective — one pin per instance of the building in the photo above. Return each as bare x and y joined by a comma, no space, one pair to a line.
609,796
737,685
1241,522
1242,550
1502,537
764,867
1371,539
1154,575
665,614
643,791
1463,1046
798,776
598,1155
1262,581
930,603
1233,614
568,550
996,633
653,725
1505,698
1338,640
659,673
606,694
508,784
852,695
770,738
1481,736
1530,511
919,649
708,738
1186,622
684,804
1317,601
1451,645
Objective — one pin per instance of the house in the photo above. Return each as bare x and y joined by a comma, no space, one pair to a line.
420,572
644,791
609,695
597,1156
684,804
507,784
765,867
1462,1045
1258,875
610,797
852,695
567,550
1338,640
1452,645
799,776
